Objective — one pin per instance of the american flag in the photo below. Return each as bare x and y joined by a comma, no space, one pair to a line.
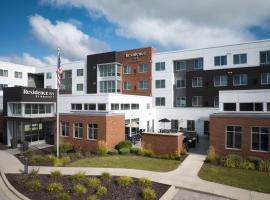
59,69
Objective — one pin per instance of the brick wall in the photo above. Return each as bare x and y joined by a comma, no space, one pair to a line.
162,144
218,134
111,130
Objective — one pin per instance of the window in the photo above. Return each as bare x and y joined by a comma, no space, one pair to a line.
78,130
114,106
76,106
181,83
143,68
66,74
180,102
160,66
190,125
198,63
79,72
265,57
180,65
80,87
125,106
240,58
260,138
90,106
107,86
240,79
48,75
2,86
221,81
3,72
229,106
64,129
16,109
216,101
41,108
160,101
251,106
196,101
48,108
92,131
38,109
127,86
268,106
34,108
220,60
265,78
107,70
27,109
135,106
127,69
160,83
18,74
101,106
197,82
234,137
143,85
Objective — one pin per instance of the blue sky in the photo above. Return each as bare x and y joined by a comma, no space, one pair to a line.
32,29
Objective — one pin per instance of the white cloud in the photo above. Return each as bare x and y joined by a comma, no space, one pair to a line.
73,43
179,23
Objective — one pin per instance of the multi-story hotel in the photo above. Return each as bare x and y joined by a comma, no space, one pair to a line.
220,91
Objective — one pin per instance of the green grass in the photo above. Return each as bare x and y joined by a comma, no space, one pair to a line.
129,162
246,179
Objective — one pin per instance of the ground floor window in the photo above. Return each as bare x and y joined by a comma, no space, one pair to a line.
234,137
190,125
78,130
65,129
260,138
92,131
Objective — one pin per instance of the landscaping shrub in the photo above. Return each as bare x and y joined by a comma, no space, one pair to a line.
55,187
124,144
93,182
256,160
79,189
102,149
174,156
63,196
124,181
113,152
149,194
145,152
56,174
106,175
145,182
247,165
33,173
78,154
37,159
60,161
28,153
101,190
211,155
233,161
65,148
33,185
78,176
264,166
183,151
124,151
50,158
134,150
92,197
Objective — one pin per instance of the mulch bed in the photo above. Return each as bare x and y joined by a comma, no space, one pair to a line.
114,191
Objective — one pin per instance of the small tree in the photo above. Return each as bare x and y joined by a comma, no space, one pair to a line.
211,154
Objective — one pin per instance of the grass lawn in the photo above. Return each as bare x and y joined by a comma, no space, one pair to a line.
130,162
246,179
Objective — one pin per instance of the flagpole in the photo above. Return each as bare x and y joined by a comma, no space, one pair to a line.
57,113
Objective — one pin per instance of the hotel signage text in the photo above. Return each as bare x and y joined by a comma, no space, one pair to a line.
131,55
40,94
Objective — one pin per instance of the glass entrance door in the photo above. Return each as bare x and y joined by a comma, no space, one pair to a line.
34,132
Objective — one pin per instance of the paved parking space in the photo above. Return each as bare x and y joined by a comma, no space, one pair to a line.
190,195
202,146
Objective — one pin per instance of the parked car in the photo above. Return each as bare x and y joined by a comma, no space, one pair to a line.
191,138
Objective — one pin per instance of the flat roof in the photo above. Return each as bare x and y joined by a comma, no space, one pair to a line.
242,115
92,113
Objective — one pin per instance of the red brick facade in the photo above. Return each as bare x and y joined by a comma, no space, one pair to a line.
162,144
218,126
111,130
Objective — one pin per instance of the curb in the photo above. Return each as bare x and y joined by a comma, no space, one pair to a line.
171,192
12,189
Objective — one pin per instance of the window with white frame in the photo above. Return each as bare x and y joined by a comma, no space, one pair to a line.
2,86
4,72
180,83
216,101
78,130
49,75
197,82
197,101
265,57
253,107
190,125
143,68
76,106
135,106
233,137
108,70
80,87
160,66
18,74
127,85
89,106
268,106
229,106
260,138
221,81
125,106
110,86
64,129
265,78
127,69
198,63
115,106
143,85
160,101
16,108
38,108
160,83
102,106
240,79
240,58
92,131
220,60
180,102
180,65
79,72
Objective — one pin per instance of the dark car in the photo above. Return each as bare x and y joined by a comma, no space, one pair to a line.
191,138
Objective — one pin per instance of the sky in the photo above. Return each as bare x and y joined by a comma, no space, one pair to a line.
32,30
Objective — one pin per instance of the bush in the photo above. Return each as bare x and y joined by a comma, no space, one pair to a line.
211,155
56,174
33,173
233,161
174,156
79,189
33,185
60,161
78,176
101,190
134,150
50,158
256,160
55,187
93,182
124,151
113,152
106,175
145,182
28,153
183,151
149,194
124,181
264,166
92,197
145,152
65,148
63,196
247,165
78,154
37,159
102,149
124,144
